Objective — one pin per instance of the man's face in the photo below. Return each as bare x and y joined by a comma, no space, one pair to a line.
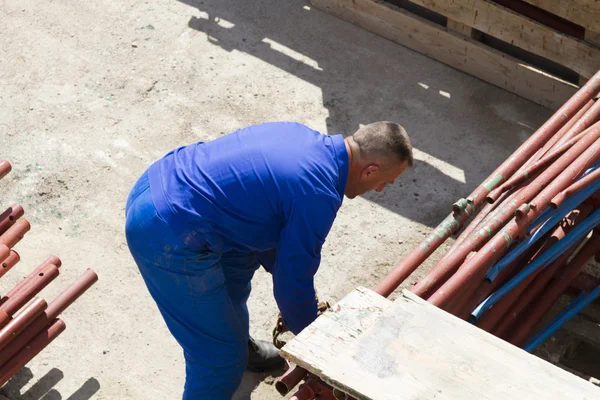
374,177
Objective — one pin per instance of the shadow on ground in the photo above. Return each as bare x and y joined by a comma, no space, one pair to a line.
461,127
43,389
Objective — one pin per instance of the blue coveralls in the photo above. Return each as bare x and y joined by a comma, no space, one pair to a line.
203,218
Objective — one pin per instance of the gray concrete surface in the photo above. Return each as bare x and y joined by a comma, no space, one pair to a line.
92,92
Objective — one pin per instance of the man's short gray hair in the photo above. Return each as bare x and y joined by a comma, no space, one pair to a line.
384,139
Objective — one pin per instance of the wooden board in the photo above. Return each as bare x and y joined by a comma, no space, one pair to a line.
582,12
414,350
520,31
464,29
454,49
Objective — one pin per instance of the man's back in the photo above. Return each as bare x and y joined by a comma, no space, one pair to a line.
238,191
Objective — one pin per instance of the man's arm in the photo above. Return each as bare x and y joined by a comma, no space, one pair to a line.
309,220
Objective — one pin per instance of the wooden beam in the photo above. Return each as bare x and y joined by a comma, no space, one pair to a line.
520,31
414,350
592,37
464,29
456,50
582,12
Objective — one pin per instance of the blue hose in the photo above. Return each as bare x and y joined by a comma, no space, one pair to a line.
578,232
573,309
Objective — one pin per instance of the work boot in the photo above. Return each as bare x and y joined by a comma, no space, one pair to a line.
263,356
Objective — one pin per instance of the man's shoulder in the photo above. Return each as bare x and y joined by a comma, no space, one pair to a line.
283,127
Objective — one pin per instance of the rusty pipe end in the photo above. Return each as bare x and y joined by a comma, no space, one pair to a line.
339,395
557,200
10,261
5,168
54,260
304,393
285,383
15,233
460,205
494,195
522,211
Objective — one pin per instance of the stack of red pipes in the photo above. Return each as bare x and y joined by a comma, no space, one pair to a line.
27,323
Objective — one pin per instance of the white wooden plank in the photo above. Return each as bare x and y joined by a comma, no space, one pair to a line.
417,351
451,48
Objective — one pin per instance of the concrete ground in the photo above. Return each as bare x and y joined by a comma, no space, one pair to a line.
92,92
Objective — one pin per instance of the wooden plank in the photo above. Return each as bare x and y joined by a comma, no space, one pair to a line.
351,316
464,29
456,50
592,37
582,12
520,31
417,351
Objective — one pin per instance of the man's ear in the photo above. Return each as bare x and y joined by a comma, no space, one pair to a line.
369,170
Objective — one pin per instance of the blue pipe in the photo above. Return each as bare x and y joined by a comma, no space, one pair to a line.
578,232
573,309
555,217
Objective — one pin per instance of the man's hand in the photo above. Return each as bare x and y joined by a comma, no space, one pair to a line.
281,327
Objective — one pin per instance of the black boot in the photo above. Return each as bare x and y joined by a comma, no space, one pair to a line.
263,356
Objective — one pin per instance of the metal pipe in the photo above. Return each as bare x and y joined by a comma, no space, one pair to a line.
562,318
538,139
50,260
495,314
587,120
579,232
305,392
550,211
21,321
31,350
533,291
449,264
554,218
27,292
535,168
4,318
593,177
15,233
567,129
557,287
572,163
487,208
64,300
9,262
4,252
289,379
487,286
5,168
9,216
410,263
